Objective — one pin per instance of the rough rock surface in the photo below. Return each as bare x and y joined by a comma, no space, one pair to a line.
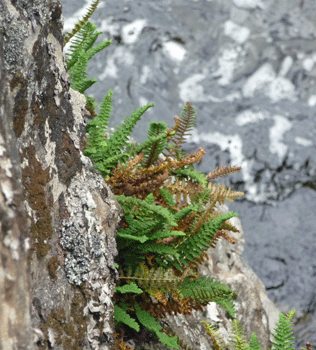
256,312
66,213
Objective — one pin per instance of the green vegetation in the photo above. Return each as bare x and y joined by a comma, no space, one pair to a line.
170,214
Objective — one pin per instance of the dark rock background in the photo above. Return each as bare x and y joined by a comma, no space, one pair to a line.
248,66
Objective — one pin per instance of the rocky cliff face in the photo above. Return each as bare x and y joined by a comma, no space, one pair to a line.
256,312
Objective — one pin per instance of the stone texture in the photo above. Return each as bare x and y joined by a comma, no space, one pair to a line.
58,217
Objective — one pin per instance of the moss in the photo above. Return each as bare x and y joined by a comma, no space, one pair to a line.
52,266
21,105
70,333
34,180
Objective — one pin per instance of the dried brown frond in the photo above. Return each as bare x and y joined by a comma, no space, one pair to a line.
228,226
220,193
119,340
182,189
224,234
158,295
223,171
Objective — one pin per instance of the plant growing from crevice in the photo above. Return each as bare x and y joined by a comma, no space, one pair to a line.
171,215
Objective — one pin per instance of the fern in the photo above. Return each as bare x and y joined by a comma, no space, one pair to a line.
168,224
157,147
238,338
182,128
122,316
81,51
217,339
81,22
151,324
283,337
254,342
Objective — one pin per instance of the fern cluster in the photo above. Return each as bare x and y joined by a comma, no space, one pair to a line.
170,212
283,336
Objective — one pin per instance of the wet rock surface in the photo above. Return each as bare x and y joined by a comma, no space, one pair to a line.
248,66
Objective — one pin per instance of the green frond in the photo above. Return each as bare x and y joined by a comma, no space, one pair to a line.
217,339
156,148
129,288
152,325
194,175
227,303
121,315
238,339
80,52
185,212
168,196
97,143
204,290
254,342
283,334
81,22
161,212
196,243
119,138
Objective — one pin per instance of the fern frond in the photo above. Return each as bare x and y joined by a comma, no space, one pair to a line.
193,175
254,342
283,334
81,22
228,226
152,325
122,316
183,127
196,242
156,148
217,339
159,211
128,288
220,193
238,339
205,290
97,144
117,140
154,278
223,171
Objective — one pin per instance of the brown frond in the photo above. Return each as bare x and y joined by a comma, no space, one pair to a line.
224,234
220,193
228,226
120,342
182,189
159,296
223,171
185,124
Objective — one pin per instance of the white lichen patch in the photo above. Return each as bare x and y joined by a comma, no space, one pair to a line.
238,33
227,64
131,31
13,245
303,142
192,90
265,81
280,127
174,50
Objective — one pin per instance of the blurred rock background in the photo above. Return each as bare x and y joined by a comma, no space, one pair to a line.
248,66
